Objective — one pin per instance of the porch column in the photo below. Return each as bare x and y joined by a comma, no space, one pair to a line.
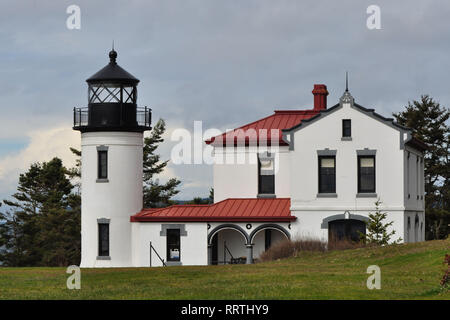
210,254
249,253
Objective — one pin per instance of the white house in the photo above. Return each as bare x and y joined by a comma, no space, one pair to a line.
296,173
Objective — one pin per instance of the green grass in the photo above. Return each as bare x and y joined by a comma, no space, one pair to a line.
411,271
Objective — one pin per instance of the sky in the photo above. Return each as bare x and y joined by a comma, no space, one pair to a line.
225,63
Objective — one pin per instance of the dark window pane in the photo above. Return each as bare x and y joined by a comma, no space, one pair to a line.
346,128
103,239
266,178
173,245
266,184
346,230
327,175
366,174
102,164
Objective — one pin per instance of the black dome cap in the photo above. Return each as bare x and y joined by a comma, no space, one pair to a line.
112,72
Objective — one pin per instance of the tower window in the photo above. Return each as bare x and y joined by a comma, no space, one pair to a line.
103,239
102,164
173,244
327,174
366,174
266,176
346,128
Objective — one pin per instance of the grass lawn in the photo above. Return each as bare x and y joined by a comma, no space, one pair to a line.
410,271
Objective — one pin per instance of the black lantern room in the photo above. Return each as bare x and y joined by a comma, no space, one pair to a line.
112,102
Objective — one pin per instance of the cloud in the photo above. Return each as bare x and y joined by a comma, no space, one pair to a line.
43,146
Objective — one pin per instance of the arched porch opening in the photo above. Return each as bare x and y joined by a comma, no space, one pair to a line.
265,236
227,244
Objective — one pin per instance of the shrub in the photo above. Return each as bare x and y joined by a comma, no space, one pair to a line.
377,229
345,244
289,248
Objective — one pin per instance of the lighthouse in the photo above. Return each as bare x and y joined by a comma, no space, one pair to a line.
112,128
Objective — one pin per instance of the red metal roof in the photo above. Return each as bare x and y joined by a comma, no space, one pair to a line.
233,209
262,129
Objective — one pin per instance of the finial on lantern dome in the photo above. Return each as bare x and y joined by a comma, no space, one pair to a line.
112,55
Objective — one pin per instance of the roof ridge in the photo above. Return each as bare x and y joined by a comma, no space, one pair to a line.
295,111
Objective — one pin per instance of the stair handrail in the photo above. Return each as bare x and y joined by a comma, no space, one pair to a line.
152,248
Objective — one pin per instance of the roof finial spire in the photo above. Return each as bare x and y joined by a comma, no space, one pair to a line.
346,81
346,97
113,46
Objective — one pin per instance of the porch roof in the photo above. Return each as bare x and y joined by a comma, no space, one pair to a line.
232,209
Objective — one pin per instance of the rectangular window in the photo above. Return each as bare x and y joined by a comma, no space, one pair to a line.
327,174
102,164
103,239
366,174
173,244
346,128
417,177
266,176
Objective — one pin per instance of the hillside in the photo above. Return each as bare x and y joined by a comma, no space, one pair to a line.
411,271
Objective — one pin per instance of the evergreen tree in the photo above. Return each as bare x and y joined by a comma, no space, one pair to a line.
42,227
377,229
211,195
429,119
155,193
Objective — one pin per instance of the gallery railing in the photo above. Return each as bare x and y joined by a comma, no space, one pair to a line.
143,117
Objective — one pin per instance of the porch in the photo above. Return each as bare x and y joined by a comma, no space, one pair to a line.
242,243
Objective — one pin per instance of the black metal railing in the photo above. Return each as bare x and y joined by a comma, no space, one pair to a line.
161,259
143,117
80,117
232,260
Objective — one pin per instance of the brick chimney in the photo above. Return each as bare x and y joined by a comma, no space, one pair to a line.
320,97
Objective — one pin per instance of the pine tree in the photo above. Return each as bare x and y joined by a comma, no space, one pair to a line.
377,229
155,193
428,120
41,228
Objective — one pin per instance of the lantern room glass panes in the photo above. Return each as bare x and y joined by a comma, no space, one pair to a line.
128,94
111,93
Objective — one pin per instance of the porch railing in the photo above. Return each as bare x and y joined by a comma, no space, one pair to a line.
225,250
233,260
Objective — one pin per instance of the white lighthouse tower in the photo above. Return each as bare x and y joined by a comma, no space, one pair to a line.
111,129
